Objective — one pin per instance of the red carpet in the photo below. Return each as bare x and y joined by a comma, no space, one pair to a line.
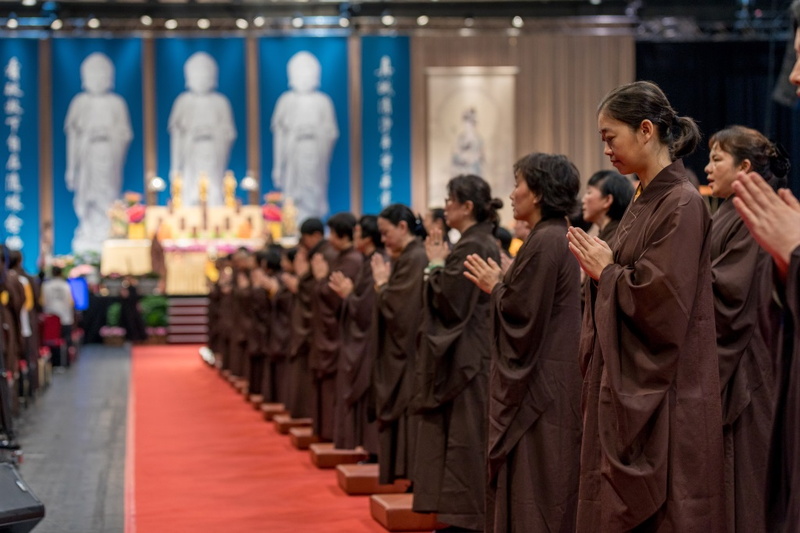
199,459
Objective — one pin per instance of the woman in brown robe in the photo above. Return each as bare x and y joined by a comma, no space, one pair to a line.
652,453
452,370
325,310
745,318
274,386
354,375
534,381
608,194
398,303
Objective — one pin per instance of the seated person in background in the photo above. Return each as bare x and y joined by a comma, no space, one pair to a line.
57,300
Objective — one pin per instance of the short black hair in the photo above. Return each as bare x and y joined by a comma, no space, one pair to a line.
618,186
311,226
369,229
504,236
397,213
553,177
342,224
56,271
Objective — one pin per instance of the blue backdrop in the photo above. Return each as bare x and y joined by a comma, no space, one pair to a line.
274,54
386,122
229,54
20,206
126,55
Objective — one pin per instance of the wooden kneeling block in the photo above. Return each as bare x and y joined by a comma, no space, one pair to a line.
270,410
393,511
324,455
255,400
302,437
360,480
283,423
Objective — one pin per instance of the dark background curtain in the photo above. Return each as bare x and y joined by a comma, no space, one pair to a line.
724,83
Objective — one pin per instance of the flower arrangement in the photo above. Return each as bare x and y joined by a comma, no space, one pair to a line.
135,211
112,331
156,331
271,210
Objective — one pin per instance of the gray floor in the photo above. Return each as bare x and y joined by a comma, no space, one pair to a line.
73,438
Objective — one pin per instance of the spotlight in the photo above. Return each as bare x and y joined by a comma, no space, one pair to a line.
146,20
344,22
242,24
517,22
29,3
387,19
259,21
93,23
595,2
56,25
171,24
423,20
469,22
203,23
12,24
297,22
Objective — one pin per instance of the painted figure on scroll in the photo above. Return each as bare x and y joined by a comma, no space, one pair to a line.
201,130
98,131
304,130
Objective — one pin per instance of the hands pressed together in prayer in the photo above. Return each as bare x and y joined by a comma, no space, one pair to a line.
381,269
772,218
482,273
340,284
436,248
592,253
301,265
291,282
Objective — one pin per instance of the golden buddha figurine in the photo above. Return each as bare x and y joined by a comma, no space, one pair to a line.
203,184
175,190
229,185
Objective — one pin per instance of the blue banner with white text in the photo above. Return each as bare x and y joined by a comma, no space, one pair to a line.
19,151
304,123
98,145
386,122
201,110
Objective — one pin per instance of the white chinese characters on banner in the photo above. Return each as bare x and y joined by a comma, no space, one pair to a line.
385,90
13,112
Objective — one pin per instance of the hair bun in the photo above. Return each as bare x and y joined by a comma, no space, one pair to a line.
779,163
496,204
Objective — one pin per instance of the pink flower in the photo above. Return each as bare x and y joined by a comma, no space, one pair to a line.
271,212
136,213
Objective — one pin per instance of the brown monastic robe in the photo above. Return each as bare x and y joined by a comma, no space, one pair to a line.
606,234
783,476
652,446
354,375
242,300
323,359
214,313
452,382
275,387
14,340
258,338
534,388
226,319
742,275
300,402
398,305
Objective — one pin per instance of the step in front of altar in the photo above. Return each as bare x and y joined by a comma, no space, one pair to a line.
283,423
188,320
393,512
325,455
271,410
302,437
362,480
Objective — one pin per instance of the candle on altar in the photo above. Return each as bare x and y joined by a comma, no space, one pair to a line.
176,188
229,184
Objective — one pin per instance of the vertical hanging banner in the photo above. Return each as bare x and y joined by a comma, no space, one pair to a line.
304,121
201,108
386,122
19,150
97,136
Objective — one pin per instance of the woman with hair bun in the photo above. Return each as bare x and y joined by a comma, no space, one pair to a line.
398,301
534,430
746,321
452,367
652,455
